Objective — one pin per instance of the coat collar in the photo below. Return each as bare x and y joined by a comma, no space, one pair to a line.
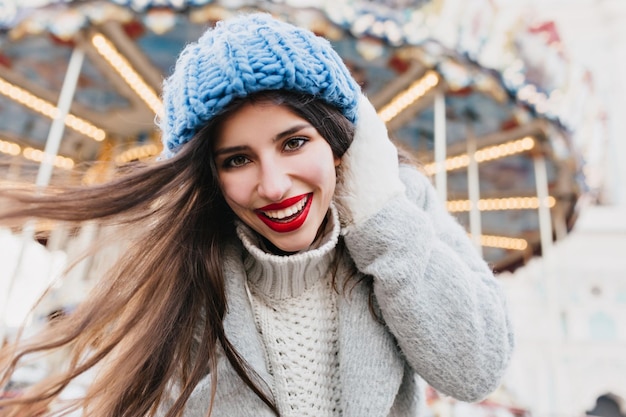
232,396
370,362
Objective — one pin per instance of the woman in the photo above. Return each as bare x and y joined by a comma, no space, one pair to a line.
284,262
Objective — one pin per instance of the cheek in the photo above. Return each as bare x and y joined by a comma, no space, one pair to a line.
235,190
322,173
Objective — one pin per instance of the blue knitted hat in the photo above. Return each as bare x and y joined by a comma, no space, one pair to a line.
244,55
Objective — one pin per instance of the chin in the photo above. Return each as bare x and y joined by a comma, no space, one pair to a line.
291,245
296,240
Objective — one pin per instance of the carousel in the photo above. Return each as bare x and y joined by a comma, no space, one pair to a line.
487,103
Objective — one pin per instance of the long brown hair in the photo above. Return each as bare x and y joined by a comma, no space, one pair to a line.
156,318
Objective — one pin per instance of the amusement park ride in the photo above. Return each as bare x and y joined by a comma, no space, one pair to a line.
488,124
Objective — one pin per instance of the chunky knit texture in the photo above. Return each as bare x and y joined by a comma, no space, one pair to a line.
244,55
295,312
301,342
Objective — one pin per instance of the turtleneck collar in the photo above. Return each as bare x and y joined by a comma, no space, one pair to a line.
284,276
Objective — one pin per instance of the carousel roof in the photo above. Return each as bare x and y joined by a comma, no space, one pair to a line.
405,54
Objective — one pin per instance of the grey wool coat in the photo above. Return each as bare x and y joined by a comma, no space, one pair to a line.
444,317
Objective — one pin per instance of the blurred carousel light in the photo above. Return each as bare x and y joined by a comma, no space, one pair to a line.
202,15
121,65
505,149
41,106
541,104
362,18
38,155
160,21
138,153
393,33
178,4
340,12
98,13
409,96
415,30
513,75
362,23
456,75
500,204
503,242
378,28
488,84
369,48
34,26
235,4
540,101
515,80
10,148
489,153
555,103
138,5
67,24
527,93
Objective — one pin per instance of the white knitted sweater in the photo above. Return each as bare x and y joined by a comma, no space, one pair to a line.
295,310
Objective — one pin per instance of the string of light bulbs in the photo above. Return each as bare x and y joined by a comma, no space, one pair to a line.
49,110
496,204
35,155
121,65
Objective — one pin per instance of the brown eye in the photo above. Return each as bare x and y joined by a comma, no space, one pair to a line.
294,144
236,161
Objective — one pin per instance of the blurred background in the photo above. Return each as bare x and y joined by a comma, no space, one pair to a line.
514,108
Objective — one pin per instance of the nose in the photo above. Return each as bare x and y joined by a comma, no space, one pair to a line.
274,181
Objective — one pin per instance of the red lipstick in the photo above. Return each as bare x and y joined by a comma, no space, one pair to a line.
288,224
283,204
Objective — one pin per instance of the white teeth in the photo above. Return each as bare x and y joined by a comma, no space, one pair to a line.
286,212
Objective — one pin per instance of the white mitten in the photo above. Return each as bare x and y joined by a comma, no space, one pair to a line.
369,173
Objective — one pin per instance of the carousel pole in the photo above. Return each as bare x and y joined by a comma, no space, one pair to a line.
440,146
44,174
473,189
55,135
545,218
555,334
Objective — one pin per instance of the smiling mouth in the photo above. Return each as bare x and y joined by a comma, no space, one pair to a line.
286,219
288,213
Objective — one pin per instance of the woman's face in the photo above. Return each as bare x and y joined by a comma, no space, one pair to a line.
276,172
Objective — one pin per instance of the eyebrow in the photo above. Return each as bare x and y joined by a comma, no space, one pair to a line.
229,150
291,131
277,137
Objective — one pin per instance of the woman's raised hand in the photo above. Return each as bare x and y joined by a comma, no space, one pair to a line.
369,172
